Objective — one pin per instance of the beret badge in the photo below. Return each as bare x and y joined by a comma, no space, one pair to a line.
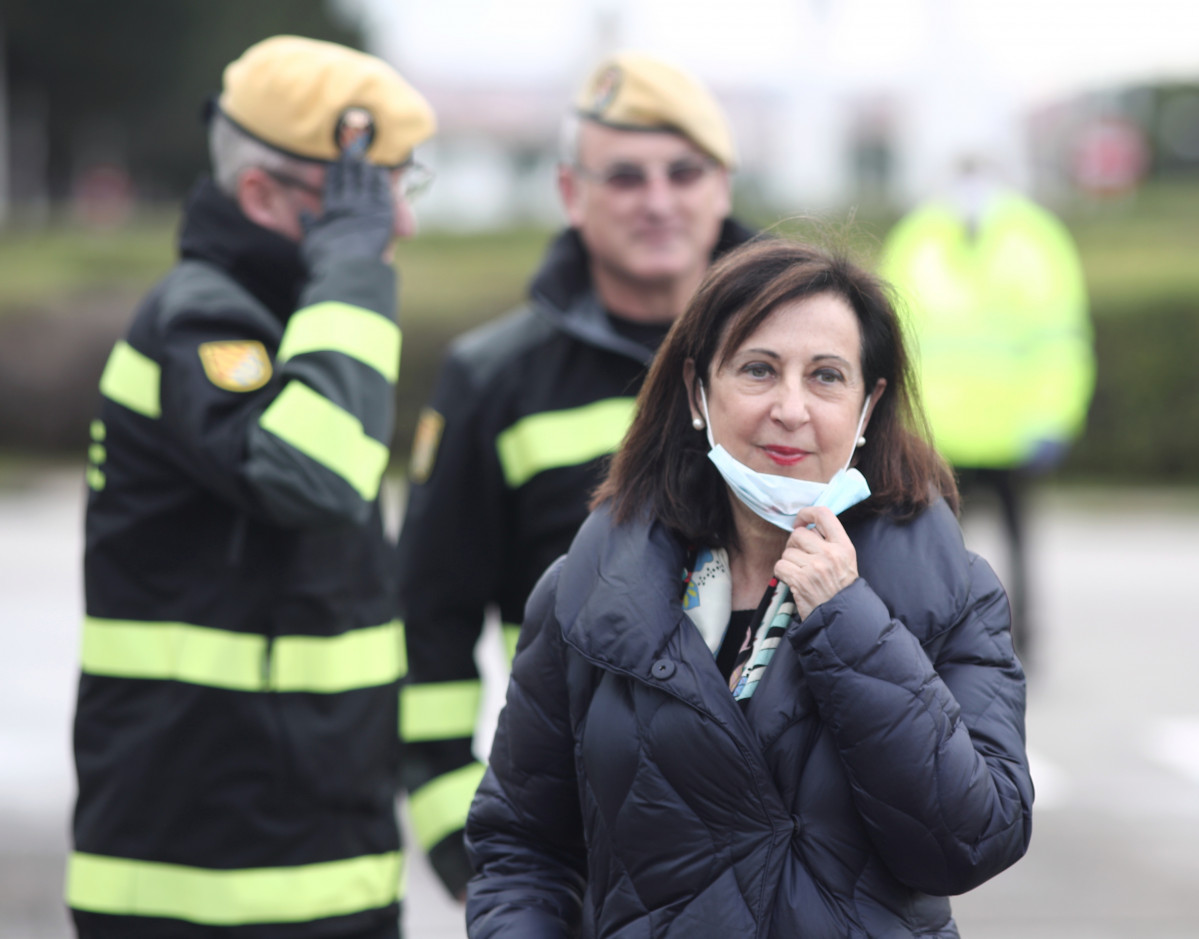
606,87
355,126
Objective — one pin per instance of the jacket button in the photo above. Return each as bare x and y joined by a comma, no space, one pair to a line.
663,668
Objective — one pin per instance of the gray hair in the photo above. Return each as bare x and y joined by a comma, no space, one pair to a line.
568,139
233,151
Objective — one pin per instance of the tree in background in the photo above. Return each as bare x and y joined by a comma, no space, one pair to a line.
122,85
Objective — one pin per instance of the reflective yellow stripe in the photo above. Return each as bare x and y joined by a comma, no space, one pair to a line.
122,887
332,437
562,438
133,380
220,658
173,652
439,710
511,635
340,327
361,658
439,807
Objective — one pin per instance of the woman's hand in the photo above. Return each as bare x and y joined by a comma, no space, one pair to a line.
817,562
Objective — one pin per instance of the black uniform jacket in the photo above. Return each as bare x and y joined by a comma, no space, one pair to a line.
524,416
235,737
879,766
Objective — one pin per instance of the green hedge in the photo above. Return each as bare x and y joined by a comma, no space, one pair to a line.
1143,425
65,295
1144,420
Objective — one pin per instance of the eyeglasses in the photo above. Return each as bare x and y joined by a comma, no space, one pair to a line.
415,180
293,182
409,181
630,177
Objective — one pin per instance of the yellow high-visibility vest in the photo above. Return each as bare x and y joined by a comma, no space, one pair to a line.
998,328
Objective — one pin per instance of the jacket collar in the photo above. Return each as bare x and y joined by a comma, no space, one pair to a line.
264,262
618,602
618,595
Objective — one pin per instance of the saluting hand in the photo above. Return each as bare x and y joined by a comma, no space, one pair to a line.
357,217
817,562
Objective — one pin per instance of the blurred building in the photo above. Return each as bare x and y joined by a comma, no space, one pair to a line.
835,105
1104,143
496,148
825,128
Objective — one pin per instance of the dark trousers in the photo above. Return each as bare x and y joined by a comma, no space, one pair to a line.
1008,487
93,926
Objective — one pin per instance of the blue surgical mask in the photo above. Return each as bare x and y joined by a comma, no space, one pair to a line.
778,499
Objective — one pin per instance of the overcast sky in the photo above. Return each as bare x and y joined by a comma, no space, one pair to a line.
1038,49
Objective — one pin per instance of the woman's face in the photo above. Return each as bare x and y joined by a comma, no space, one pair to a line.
787,402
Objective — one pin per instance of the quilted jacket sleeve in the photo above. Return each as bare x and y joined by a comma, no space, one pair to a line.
933,746
524,832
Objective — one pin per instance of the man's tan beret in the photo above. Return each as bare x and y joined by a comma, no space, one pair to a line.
296,95
636,91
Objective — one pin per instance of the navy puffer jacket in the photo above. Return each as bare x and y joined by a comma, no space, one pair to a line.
878,768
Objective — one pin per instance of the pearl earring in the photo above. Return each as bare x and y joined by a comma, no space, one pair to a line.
697,423
861,442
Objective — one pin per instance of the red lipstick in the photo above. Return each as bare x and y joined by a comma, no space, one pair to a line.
785,456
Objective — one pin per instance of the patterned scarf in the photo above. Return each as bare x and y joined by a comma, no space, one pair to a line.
707,601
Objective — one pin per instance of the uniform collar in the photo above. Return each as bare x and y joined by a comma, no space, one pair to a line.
264,262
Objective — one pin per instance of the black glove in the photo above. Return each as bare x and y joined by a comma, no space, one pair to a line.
358,214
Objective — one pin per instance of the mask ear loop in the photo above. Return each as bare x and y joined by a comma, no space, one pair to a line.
857,433
703,403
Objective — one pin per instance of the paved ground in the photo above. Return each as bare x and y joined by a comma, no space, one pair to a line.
1113,722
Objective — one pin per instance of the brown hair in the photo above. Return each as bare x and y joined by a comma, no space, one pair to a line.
663,469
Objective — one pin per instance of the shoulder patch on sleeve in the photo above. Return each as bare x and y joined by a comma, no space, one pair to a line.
236,365
425,441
